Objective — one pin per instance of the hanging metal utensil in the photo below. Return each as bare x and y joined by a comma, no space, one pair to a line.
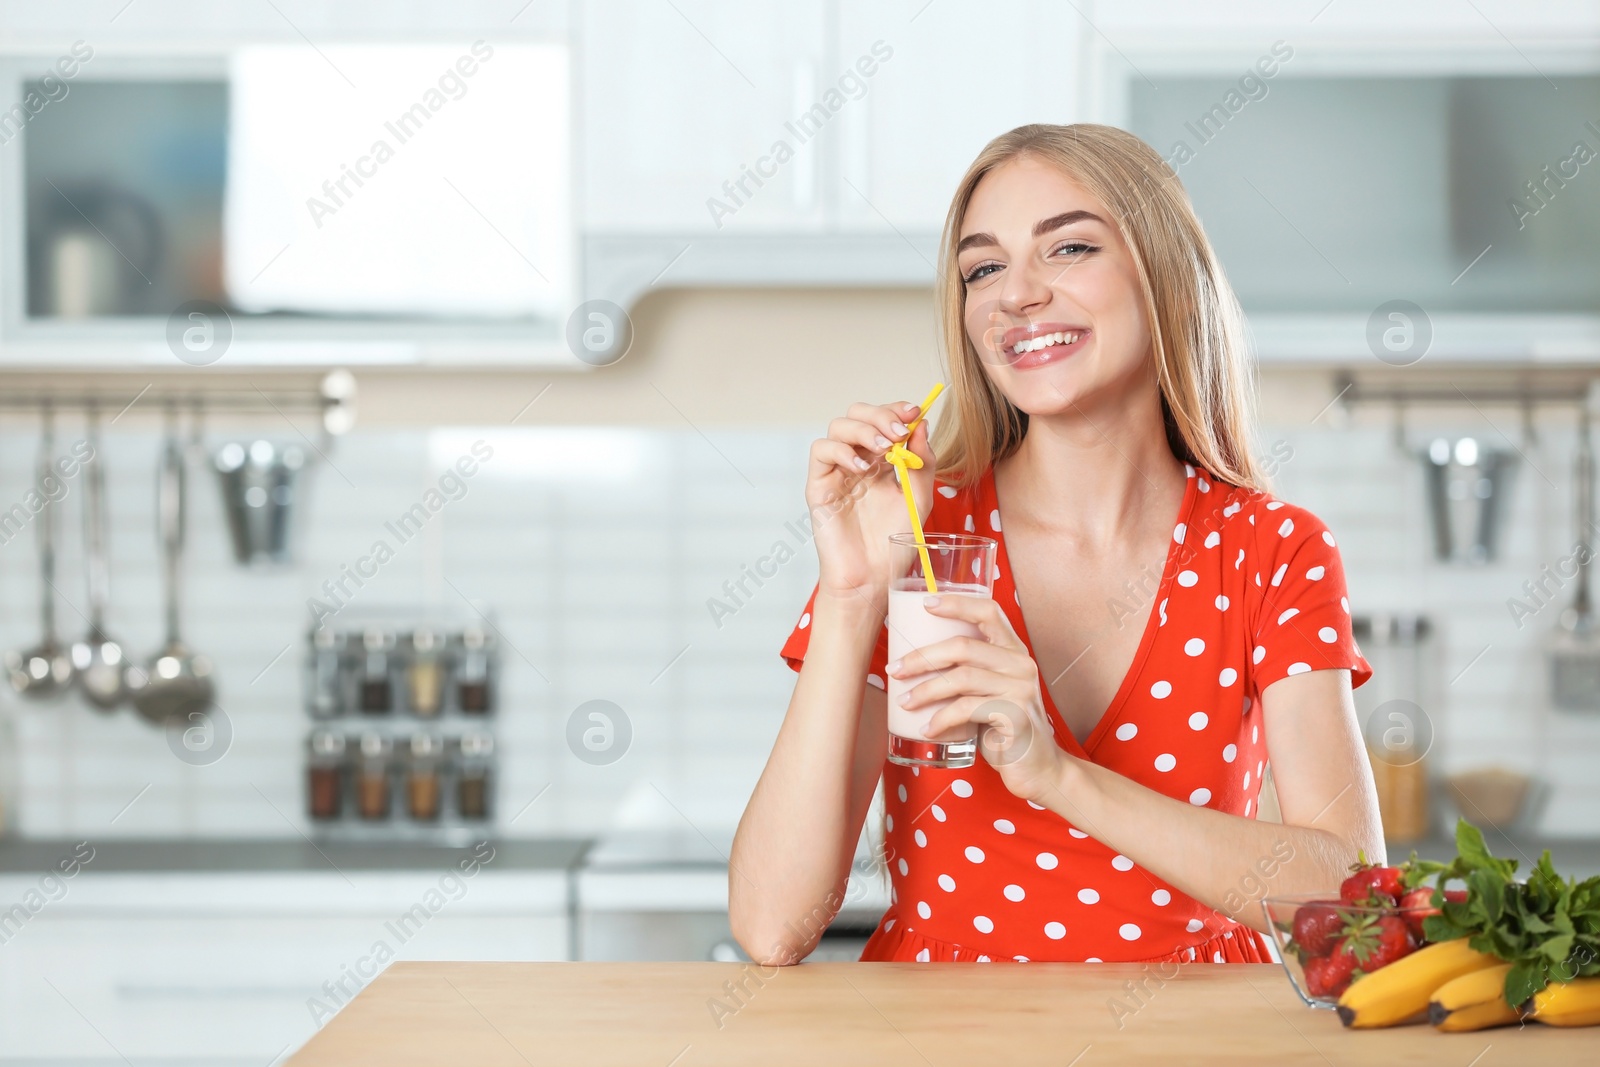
44,671
1575,646
177,681
99,661
1467,486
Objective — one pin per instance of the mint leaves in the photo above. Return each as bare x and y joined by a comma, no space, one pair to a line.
1547,927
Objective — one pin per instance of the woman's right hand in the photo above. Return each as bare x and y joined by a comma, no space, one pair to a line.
856,501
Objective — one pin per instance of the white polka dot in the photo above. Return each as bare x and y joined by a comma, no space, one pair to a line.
1328,538
1075,832
1089,896
1205,486
1239,560
1247,807
947,883
888,822
972,527
921,838
1299,668
1005,826
938,812
1194,646
1259,764
1161,690
1166,761
1013,892
1198,720
1222,603
888,924
1020,959
1161,898
1316,573
1227,677
1216,957
1252,520
1247,779
1035,807
1187,578
873,679
1127,731
977,568
923,909
1188,470
1230,753
947,491
1213,539
1122,863
901,793
1258,655
1179,531
974,853
1286,616
983,923
904,868
961,787
1344,602
1130,932
1161,610
1287,528
1055,931
805,620
1093,959
1328,635
1231,510
983,959
922,955
1277,575
1200,797
1046,861
1255,734
994,520
1194,926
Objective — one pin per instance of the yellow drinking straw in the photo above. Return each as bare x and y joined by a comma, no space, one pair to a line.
902,457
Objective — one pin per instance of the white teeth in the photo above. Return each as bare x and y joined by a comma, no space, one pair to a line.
1033,344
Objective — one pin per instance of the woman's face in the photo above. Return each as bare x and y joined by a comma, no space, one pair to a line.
1053,301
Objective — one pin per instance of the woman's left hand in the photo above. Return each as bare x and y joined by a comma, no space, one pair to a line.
991,681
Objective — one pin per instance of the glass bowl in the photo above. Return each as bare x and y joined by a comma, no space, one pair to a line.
1321,990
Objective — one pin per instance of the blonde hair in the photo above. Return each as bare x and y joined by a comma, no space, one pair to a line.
1207,393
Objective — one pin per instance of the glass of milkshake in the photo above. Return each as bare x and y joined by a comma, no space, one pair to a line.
961,565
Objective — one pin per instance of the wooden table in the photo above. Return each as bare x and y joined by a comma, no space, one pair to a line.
836,1014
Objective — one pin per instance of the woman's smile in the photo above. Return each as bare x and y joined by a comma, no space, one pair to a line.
1040,343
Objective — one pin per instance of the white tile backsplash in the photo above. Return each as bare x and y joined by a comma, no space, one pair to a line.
599,581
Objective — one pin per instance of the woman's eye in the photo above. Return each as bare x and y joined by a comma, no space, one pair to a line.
1074,248
980,272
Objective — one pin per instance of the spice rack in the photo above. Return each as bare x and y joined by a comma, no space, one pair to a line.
402,743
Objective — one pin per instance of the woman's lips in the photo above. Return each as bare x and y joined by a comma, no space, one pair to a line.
1035,345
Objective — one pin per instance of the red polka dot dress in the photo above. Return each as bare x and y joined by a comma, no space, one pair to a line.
1253,591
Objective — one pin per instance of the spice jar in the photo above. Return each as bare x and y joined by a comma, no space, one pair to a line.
473,665
326,773
377,694
422,779
327,652
425,673
472,778
372,777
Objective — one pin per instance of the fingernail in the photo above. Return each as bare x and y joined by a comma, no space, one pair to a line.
930,601
898,428
881,441
862,464
905,698
894,668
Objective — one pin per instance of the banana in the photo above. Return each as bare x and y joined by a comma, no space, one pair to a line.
1574,1003
1474,1001
1401,990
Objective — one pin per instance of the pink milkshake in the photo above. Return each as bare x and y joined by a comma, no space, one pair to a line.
962,565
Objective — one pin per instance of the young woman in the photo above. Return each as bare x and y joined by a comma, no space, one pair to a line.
1161,630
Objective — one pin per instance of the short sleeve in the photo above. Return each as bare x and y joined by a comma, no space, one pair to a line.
794,649
1303,620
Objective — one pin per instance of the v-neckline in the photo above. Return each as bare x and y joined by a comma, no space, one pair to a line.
1064,735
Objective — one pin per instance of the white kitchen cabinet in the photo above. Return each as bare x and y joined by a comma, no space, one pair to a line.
959,75
224,969
679,98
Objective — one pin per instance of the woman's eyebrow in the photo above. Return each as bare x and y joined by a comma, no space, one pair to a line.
1040,228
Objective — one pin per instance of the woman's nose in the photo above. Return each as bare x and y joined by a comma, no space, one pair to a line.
1027,286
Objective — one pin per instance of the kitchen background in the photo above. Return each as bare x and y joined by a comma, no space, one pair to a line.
627,469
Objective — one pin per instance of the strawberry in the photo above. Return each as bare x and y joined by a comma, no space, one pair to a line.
1328,976
1316,925
1372,884
1375,941
1417,905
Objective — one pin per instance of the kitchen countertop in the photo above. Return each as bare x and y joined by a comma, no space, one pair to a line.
287,855
515,1014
